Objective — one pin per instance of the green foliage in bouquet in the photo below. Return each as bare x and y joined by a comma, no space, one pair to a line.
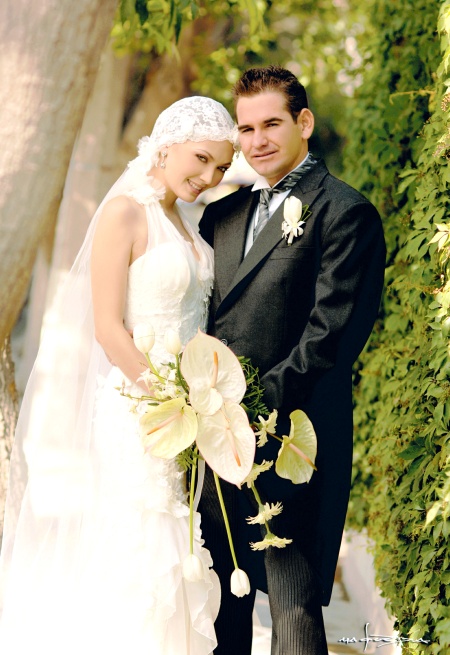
252,401
398,154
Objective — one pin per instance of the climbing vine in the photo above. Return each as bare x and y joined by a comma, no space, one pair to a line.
399,155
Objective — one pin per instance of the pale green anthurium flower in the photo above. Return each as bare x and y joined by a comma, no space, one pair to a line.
298,451
240,584
167,429
227,442
193,568
144,337
213,373
172,342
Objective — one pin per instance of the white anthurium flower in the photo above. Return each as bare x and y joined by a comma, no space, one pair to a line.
227,442
213,373
144,337
298,451
167,429
205,399
172,342
240,584
292,213
193,568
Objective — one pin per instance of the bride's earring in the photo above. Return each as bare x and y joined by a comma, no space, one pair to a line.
163,155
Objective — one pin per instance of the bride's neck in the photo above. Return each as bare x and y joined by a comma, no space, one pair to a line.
168,202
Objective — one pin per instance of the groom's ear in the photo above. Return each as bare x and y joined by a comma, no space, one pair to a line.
305,120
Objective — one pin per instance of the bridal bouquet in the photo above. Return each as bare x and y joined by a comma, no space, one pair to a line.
207,404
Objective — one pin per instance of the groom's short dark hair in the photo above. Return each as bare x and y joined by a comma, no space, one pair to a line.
273,78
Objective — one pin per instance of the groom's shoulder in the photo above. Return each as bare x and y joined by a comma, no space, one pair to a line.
221,209
224,205
342,193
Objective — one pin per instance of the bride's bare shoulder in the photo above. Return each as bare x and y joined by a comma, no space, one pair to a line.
124,214
123,207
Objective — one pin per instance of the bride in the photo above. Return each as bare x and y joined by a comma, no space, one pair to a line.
96,531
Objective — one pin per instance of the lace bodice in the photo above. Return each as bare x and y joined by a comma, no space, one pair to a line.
170,284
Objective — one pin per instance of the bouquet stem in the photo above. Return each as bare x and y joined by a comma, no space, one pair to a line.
180,379
191,502
260,504
153,368
225,518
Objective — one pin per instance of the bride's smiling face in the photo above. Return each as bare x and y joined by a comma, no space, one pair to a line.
193,167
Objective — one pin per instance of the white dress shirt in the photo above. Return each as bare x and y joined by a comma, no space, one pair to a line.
275,202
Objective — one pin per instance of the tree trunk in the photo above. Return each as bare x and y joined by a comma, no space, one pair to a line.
8,416
49,55
91,173
93,167
26,334
167,80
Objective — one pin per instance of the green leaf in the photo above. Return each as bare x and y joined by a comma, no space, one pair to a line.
127,10
411,452
405,183
142,10
178,26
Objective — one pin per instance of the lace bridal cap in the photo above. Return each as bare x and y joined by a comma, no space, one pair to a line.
52,474
189,119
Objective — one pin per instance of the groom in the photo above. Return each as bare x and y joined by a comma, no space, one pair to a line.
302,313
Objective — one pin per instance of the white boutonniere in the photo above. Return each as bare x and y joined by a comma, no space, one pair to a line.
293,212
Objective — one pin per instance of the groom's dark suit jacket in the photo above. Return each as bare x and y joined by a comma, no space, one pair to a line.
302,313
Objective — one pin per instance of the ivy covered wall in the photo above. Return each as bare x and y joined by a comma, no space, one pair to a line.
398,154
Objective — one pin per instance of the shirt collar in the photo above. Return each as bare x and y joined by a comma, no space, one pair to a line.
262,183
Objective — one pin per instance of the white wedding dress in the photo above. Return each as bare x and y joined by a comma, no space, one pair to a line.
117,588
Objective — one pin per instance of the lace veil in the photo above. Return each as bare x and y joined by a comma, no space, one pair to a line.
52,474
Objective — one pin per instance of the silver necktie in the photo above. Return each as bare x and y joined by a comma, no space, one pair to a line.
288,182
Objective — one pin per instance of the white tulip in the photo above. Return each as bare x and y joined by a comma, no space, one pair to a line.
172,342
193,568
240,584
292,213
144,337
292,209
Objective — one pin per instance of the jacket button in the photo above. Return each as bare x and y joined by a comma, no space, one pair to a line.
224,341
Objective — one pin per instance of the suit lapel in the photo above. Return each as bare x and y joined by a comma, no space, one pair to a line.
237,278
232,234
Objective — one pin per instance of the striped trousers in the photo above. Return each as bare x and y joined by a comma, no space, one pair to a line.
294,590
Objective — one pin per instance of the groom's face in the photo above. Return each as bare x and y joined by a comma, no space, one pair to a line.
273,143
